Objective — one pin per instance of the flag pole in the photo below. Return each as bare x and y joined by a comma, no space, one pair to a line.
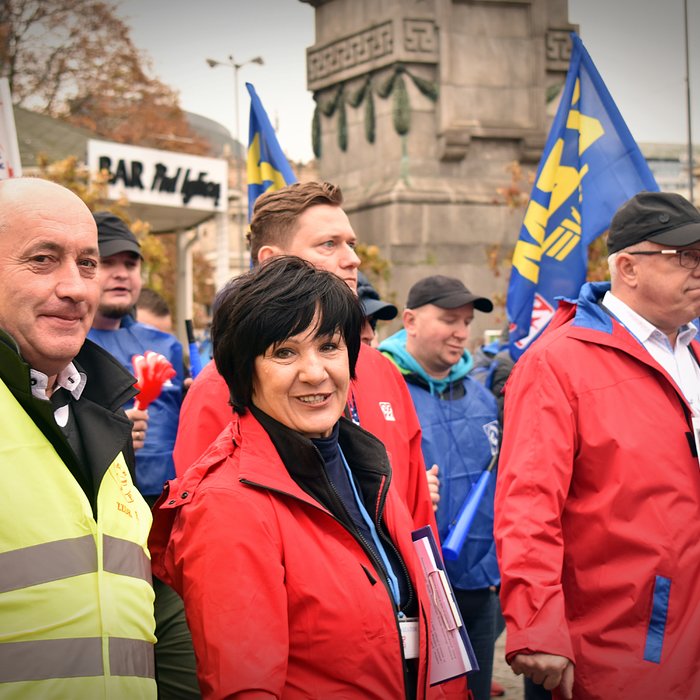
687,97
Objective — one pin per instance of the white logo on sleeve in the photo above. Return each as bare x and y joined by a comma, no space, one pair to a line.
387,410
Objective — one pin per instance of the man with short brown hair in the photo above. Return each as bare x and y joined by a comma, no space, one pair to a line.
276,214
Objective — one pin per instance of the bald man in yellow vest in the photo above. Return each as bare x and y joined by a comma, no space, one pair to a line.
76,601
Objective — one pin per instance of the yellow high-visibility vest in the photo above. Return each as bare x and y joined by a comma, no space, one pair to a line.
76,601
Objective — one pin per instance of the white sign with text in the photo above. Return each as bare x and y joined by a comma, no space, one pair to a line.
165,178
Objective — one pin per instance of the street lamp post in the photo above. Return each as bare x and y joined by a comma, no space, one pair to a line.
212,63
687,93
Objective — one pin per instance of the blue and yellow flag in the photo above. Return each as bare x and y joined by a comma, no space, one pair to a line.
267,165
590,166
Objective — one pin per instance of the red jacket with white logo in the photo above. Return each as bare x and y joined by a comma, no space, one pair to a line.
598,511
383,406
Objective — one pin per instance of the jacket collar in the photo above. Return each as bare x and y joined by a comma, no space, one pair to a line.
303,460
111,385
589,314
104,429
252,455
272,456
591,322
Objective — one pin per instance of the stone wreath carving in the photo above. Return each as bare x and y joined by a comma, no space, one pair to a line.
393,86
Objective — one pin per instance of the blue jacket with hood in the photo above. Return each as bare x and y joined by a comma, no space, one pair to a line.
459,420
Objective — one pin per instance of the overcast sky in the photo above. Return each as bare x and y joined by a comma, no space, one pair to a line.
637,46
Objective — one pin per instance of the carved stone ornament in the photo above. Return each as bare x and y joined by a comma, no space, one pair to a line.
404,40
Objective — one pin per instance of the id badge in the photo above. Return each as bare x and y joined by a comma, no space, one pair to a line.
409,636
696,435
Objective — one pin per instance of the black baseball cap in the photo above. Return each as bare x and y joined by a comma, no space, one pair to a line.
659,217
445,292
114,236
372,305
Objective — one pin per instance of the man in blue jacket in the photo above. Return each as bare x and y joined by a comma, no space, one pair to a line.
459,420
116,330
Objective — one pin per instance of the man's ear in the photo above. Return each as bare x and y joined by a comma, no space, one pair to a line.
627,269
409,320
268,251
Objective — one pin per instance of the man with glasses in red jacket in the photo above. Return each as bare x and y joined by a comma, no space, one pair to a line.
598,489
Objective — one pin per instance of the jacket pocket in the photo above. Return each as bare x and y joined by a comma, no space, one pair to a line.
657,621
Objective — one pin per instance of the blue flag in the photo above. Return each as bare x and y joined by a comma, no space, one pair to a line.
267,165
590,166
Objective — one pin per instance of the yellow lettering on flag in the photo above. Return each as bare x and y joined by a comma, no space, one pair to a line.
560,181
565,236
526,260
589,129
526,256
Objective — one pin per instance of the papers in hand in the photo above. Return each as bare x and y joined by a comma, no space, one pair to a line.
451,651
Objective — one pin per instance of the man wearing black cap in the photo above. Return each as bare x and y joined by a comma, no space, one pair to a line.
459,420
599,484
115,329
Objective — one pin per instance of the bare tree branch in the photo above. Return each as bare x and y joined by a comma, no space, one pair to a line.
75,59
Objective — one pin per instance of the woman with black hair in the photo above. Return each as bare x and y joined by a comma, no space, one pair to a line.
289,547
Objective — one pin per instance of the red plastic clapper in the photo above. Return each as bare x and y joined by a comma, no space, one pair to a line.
151,370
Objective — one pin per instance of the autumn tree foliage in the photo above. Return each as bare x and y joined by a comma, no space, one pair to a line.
75,59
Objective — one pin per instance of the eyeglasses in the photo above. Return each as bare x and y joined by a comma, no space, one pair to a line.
689,259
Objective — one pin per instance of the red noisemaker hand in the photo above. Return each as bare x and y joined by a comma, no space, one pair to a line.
151,370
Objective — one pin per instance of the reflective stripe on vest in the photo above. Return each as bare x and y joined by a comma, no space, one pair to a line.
52,561
73,658
49,561
131,657
125,558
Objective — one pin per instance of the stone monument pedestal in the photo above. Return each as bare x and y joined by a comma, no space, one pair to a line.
422,107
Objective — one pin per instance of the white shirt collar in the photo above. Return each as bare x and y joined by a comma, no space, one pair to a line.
69,379
639,327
